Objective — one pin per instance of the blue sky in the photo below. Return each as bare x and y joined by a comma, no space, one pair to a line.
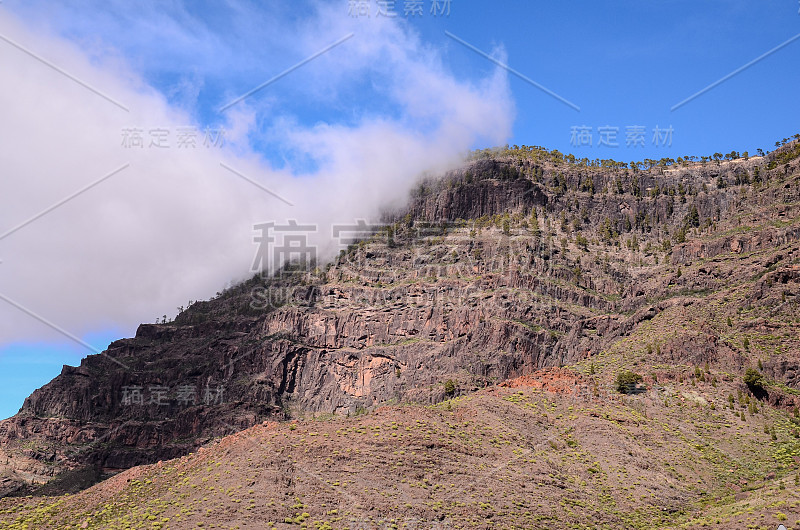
624,64
28,366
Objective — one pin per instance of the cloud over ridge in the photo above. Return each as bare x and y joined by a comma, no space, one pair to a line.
174,223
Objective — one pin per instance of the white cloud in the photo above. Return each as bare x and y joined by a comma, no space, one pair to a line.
175,225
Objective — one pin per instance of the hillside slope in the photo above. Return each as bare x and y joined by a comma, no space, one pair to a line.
518,262
544,451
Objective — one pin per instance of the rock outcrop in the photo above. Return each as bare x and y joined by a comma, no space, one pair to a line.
501,268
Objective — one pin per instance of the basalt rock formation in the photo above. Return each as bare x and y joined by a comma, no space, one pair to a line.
516,262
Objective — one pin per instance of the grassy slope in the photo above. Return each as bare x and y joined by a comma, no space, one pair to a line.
518,456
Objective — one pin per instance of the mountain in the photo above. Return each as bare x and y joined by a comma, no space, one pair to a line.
486,324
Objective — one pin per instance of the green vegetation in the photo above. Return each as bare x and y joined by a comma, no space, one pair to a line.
753,379
627,381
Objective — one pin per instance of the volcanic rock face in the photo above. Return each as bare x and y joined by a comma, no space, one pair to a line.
495,270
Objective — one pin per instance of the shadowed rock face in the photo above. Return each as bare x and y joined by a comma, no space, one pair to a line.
464,289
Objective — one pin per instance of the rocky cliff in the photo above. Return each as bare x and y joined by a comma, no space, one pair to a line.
513,263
